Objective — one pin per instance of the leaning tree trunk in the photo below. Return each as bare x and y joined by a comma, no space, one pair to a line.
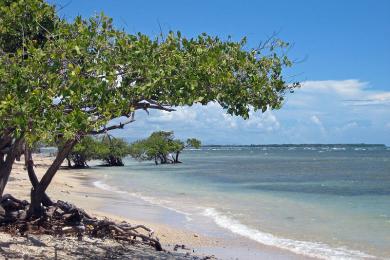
37,194
7,159
46,201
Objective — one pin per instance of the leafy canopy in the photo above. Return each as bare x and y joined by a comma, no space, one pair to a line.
159,145
70,79
115,149
104,148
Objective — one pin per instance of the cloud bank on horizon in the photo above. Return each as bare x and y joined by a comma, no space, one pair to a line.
329,111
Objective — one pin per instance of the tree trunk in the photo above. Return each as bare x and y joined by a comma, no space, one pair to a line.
46,201
5,171
114,161
163,159
79,161
6,165
177,157
38,193
69,163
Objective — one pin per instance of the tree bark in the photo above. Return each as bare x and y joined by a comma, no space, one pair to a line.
79,161
114,161
162,159
177,157
5,171
6,165
5,139
69,163
38,193
46,201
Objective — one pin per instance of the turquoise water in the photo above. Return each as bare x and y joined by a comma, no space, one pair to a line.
331,202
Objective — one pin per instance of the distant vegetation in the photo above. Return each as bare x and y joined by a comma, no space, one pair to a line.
298,145
108,149
162,147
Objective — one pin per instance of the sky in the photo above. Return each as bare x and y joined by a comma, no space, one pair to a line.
342,54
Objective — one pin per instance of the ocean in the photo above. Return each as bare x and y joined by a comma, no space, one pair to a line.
325,201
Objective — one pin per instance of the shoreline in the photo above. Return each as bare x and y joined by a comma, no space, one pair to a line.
77,187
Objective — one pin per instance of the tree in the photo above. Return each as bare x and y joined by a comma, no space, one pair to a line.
21,21
107,148
191,142
87,149
155,147
160,146
86,73
113,150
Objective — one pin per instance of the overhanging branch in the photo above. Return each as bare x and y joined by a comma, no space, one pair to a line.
152,104
121,125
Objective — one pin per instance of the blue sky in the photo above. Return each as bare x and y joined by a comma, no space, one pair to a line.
343,46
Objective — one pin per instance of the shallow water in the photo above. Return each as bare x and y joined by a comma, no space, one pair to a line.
327,202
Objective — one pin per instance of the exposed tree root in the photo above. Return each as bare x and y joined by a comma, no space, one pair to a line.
64,219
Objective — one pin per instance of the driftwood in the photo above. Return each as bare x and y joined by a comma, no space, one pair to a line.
65,219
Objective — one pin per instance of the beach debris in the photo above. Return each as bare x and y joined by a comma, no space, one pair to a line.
65,219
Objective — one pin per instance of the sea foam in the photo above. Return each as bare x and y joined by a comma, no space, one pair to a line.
311,249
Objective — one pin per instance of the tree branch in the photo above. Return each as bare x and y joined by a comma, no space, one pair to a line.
113,127
152,104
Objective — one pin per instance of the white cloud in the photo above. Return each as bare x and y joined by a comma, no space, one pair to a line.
345,88
351,91
349,126
182,114
229,121
318,122
266,121
341,111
